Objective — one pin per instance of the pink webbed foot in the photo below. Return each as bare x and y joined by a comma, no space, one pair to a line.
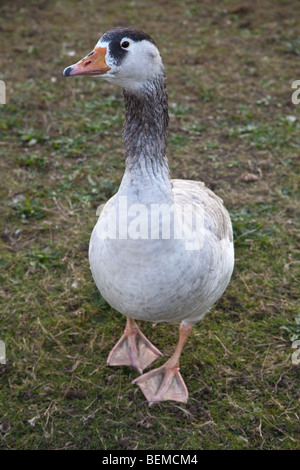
166,382
133,349
163,383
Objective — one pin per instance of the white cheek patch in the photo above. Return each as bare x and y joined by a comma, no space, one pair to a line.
142,62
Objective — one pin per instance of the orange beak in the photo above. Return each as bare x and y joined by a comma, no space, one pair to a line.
93,64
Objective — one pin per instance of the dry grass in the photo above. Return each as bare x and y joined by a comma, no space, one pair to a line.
233,125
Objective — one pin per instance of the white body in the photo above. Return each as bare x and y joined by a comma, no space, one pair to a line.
163,279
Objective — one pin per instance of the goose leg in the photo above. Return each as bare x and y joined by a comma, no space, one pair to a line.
166,382
133,349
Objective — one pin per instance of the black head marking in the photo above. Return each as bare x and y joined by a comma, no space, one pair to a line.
114,37
130,33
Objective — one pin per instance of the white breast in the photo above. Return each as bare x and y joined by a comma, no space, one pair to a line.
165,279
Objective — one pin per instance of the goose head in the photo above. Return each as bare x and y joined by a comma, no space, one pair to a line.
125,56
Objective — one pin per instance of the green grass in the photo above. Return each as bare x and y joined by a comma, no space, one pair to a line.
232,125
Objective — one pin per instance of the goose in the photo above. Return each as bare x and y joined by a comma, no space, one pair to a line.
162,249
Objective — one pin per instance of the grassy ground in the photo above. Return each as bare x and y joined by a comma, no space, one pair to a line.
230,66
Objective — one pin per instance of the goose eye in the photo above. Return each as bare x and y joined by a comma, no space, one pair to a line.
125,44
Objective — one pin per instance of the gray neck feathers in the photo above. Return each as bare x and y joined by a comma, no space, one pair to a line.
145,129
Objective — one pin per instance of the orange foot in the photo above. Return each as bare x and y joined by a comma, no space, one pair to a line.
133,349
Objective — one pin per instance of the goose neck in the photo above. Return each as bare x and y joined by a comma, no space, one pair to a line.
145,129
